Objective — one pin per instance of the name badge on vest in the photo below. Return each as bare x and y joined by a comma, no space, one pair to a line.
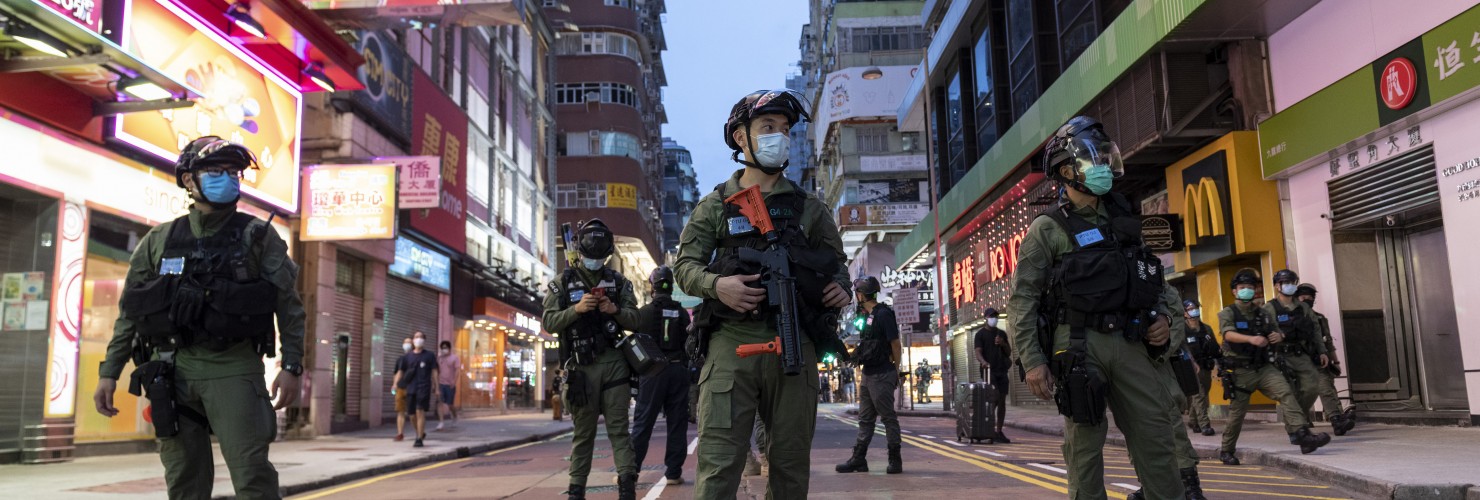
1192,340
1284,318
173,265
1242,325
575,295
1089,237
740,225
670,313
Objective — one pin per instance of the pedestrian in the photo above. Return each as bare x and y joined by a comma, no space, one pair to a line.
994,354
755,459
449,369
845,377
1304,352
1342,421
1114,329
734,391
923,376
1202,346
416,376
879,352
824,388
590,306
226,275
1248,365
400,395
667,391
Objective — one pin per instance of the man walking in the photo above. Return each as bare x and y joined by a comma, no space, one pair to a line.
994,354
416,375
1342,421
449,368
666,321
879,352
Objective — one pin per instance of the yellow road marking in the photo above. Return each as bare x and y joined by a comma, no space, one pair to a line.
1211,473
376,479
1287,495
1291,485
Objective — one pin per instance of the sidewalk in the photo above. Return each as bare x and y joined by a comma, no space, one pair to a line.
1374,460
302,465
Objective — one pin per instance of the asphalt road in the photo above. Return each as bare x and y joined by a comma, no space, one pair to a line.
936,466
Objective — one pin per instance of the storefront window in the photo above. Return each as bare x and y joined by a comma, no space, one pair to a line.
27,260
111,241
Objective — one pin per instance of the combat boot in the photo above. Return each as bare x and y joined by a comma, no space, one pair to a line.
1228,458
1192,485
1343,422
576,492
1310,442
627,487
896,462
1136,495
856,463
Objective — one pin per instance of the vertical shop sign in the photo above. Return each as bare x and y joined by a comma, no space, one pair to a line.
439,128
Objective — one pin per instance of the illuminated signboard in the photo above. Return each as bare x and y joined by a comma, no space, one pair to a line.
88,13
421,264
963,281
981,265
350,202
243,103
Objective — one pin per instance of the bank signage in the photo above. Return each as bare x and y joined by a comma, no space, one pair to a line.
387,77
439,128
418,263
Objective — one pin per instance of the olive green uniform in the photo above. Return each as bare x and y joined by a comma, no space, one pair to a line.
1138,383
226,386
734,391
1330,402
1251,375
1307,371
607,391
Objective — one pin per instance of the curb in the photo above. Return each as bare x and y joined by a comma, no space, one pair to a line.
460,452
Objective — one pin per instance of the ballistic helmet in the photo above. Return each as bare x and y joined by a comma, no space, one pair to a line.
867,285
1305,289
594,240
1081,142
212,151
662,279
1286,276
1244,277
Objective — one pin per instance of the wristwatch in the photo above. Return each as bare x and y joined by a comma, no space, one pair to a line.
294,368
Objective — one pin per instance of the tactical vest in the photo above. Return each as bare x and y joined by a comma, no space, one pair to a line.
663,320
1299,329
594,332
1108,275
812,268
1258,326
204,292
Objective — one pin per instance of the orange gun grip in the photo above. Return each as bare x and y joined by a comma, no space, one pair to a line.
748,350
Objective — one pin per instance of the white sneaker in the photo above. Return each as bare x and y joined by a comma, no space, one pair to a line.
439,426
675,480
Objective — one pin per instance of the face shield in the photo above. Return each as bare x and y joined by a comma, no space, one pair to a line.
1089,150
785,101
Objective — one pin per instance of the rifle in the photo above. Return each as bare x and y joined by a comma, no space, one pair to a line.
776,277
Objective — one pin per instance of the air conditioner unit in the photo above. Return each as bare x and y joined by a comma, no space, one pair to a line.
594,134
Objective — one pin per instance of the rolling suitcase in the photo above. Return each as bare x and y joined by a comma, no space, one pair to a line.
975,411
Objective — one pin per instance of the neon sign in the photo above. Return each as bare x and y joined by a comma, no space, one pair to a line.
963,282
1002,260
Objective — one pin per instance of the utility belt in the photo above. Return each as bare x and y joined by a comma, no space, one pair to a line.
1231,363
1292,349
1131,325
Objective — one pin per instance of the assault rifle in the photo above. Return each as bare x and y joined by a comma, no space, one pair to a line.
776,277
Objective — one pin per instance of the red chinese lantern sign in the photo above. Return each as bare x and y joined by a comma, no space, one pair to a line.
1398,83
963,282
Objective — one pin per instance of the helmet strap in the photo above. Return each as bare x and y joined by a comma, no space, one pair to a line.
750,140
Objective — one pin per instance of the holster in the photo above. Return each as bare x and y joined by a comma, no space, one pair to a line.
575,388
157,381
1081,390
1230,390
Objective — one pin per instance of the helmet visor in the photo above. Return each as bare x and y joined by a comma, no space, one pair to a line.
785,101
223,154
1089,151
595,244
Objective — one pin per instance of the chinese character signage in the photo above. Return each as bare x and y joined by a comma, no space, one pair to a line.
620,195
892,163
421,181
439,128
963,281
387,77
243,102
982,264
88,13
892,214
350,202
421,264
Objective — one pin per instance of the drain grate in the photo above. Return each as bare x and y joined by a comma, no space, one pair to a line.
613,488
495,463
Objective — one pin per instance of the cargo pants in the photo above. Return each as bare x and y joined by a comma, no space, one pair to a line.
668,392
733,393
1330,402
1309,374
1197,410
1268,380
239,412
1138,397
875,403
610,371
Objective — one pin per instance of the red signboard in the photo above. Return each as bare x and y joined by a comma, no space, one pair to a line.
1399,83
439,128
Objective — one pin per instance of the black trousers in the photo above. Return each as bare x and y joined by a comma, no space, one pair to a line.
666,392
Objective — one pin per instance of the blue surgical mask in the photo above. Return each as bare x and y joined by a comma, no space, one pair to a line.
1098,179
772,150
222,188
992,322
1244,294
592,264
1195,313
1289,289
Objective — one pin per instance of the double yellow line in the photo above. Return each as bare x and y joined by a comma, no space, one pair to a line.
376,479
1018,472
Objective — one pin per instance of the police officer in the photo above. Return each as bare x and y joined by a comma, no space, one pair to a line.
1205,352
733,390
994,354
879,352
666,321
1302,349
1187,459
1249,364
590,305
199,302
1079,264
1341,420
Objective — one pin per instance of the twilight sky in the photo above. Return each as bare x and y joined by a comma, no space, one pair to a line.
717,53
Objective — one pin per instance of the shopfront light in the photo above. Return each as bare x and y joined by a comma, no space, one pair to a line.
140,88
242,20
315,73
35,39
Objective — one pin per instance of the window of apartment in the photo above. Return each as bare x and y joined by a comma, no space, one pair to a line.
551,3
580,195
598,43
576,93
986,116
872,139
602,143
955,140
619,3
1025,74
884,38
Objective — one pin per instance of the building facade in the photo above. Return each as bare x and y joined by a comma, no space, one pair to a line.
680,194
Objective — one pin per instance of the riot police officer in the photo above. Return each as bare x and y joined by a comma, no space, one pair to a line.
1250,364
1205,352
196,318
590,305
878,351
667,391
1304,353
1341,420
1079,263
734,391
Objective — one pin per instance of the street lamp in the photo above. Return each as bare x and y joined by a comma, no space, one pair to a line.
873,73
